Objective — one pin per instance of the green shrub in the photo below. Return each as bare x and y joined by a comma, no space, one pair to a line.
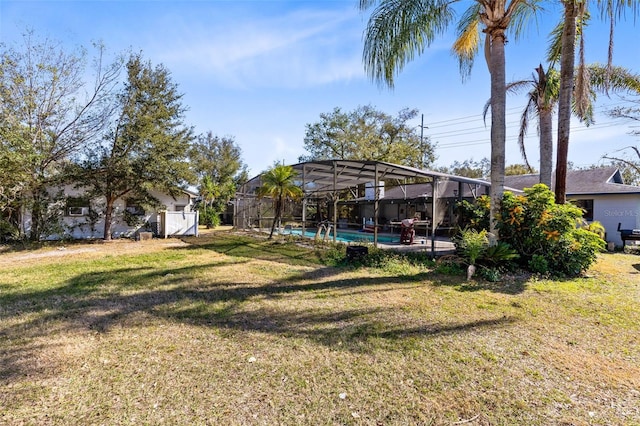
331,254
500,254
546,235
387,260
449,268
474,215
490,274
595,227
538,264
535,225
577,251
471,244
209,218
8,232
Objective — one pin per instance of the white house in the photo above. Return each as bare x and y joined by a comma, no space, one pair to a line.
601,193
81,217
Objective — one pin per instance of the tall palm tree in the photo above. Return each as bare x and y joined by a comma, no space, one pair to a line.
398,30
575,12
543,98
278,183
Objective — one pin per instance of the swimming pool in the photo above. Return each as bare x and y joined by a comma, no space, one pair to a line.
345,236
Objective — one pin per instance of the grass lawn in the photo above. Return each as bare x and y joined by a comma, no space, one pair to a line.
231,330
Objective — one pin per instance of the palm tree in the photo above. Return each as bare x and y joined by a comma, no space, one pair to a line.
570,30
543,98
398,30
278,183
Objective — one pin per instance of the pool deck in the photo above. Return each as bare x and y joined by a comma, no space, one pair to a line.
442,245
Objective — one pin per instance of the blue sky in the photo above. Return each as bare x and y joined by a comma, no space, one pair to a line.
260,70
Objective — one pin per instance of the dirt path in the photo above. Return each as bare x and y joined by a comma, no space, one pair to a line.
95,248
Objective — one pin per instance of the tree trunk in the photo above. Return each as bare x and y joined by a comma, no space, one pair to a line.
36,218
276,217
108,214
567,60
546,146
38,209
498,127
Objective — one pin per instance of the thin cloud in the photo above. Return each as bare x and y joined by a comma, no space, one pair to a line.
299,49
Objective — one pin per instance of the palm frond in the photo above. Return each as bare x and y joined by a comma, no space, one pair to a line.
524,13
617,9
366,4
581,93
466,46
554,50
555,44
551,90
516,87
603,78
400,30
529,110
485,111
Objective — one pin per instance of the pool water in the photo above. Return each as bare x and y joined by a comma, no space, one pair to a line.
347,236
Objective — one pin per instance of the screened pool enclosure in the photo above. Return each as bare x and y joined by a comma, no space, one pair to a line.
371,197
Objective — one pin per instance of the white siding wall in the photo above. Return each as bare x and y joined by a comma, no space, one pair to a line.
80,227
613,209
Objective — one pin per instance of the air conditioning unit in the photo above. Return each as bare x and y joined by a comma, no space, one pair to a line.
78,211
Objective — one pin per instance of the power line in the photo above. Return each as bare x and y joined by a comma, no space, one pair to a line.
475,130
512,139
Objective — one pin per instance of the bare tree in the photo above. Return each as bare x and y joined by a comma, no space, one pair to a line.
49,112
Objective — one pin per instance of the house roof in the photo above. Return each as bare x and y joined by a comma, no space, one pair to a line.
604,180
423,190
191,191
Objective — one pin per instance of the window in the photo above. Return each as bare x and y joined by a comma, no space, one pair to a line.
134,208
180,207
77,206
587,206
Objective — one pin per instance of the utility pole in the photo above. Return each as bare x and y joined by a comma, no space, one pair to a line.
422,150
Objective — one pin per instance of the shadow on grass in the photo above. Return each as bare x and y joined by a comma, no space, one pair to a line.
253,247
507,286
30,246
98,301
224,242
636,266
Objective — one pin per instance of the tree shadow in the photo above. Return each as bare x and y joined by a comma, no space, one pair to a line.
98,301
90,286
252,247
506,286
636,266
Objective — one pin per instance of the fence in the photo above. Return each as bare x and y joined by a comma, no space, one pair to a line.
178,224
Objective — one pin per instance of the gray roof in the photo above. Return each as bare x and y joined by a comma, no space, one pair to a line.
445,189
604,180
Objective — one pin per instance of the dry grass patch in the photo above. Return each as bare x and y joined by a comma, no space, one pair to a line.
226,329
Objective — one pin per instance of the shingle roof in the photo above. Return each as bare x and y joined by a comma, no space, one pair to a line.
605,180
420,190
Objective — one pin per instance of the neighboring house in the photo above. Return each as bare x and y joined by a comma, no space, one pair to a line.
81,217
601,193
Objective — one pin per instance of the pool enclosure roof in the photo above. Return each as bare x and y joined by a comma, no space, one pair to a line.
334,175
